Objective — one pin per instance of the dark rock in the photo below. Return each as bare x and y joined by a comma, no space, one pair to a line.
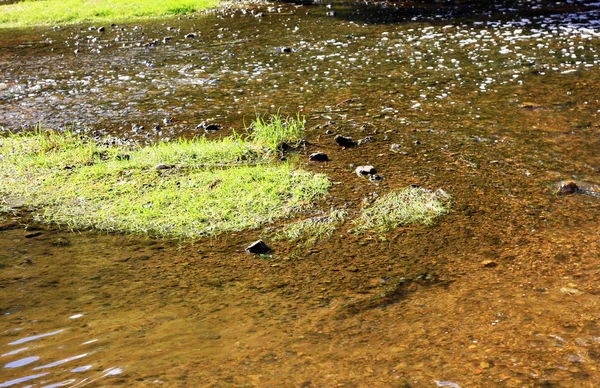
489,263
318,157
33,234
375,178
568,188
365,171
166,39
101,29
368,139
190,35
331,13
344,141
286,49
258,247
212,128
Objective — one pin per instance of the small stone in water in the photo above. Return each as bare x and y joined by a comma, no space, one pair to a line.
364,171
344,141
212,128
367,139
568,188
489,263
258,247
318,157
190,35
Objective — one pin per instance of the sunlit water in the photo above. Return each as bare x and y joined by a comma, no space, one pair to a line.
497,106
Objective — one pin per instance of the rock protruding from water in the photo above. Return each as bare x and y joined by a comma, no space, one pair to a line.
568,188
258,247
344,141
318,157
209,128
365,171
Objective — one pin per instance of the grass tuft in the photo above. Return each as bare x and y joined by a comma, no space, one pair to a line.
412,205
202,187
277,133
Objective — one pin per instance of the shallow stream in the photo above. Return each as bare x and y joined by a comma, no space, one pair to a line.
493,103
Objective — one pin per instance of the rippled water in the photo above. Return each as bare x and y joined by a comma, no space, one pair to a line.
495,104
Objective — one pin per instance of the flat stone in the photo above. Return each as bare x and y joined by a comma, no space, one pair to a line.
162,166
258,247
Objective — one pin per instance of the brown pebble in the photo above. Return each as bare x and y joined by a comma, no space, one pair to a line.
489,263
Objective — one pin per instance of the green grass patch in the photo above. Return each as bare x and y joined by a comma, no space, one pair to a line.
314,228
412,205
202,187
276,133
50,12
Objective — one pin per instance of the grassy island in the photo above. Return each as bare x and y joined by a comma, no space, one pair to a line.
184,189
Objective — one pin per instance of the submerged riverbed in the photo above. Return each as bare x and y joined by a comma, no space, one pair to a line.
494,105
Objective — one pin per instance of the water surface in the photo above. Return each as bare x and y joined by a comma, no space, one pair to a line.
493,104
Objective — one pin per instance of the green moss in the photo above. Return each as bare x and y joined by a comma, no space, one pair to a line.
412,205
202,188
51,12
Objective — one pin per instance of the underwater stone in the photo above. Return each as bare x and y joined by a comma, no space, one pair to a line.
368,139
